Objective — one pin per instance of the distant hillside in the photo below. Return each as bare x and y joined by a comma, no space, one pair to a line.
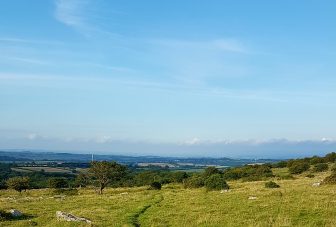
22,156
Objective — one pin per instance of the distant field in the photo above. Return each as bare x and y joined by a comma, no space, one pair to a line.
295,203
46,169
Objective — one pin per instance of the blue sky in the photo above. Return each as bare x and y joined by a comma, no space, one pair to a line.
169,75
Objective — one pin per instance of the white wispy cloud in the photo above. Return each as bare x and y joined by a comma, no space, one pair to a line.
26,60
71,13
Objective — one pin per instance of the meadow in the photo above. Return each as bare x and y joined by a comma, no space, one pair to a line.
295,203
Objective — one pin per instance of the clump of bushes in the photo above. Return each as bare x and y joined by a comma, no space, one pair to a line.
249,173
155,186
330,179
320,167
310,175
298,167
195,181
271,184
216,182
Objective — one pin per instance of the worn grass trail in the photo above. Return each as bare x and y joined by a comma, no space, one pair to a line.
134,217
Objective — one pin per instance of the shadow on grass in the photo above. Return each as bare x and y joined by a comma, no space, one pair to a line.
6,216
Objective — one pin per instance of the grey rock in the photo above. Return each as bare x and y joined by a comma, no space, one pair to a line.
15,213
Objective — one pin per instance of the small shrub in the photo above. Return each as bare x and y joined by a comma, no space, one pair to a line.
216,182
155,186
310,175
321,167
330,179
271,184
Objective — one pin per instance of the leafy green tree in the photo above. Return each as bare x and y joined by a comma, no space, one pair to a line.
82,180
18,183
216,182
105,172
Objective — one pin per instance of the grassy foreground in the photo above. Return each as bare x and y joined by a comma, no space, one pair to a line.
295,203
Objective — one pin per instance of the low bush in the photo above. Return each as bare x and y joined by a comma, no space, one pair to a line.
271,184
330,179
310,175
155,186
216,182
320,167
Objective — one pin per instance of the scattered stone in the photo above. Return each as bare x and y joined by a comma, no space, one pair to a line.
15,213
32,223
70,217
223,191
316,184
252,197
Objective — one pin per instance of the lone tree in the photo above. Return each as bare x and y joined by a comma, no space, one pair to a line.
105,172
18,183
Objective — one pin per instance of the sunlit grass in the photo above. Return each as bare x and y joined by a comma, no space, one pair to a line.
295,203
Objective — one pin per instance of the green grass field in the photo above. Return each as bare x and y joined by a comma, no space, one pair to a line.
295,203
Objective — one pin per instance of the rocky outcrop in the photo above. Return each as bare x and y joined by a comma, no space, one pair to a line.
70,217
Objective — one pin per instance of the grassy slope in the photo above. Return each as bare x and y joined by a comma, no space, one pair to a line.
296,203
